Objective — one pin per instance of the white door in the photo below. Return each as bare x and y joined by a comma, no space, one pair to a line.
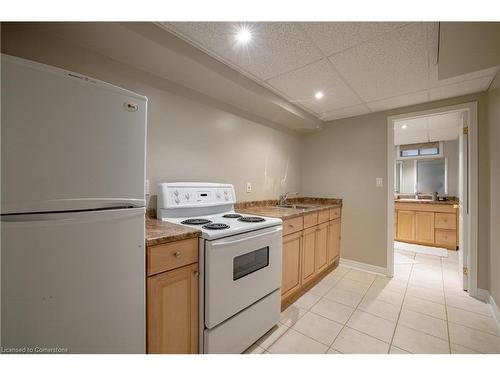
74,281
68,142
463,230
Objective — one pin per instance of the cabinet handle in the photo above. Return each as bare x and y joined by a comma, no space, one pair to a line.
196,273
177,254
290,226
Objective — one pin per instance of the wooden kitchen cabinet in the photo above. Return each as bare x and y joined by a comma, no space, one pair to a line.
333,240
172,297
424,226
321,248
173,311
311,245
406,225
292,254
308,251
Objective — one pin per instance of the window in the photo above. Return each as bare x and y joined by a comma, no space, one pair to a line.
419,149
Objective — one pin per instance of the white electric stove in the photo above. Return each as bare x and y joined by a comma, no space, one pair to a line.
240,263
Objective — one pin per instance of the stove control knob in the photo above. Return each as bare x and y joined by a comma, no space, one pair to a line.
176,193
187,195
226,197
225,192
176,200
218,195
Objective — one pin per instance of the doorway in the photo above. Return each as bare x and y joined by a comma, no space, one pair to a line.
420,169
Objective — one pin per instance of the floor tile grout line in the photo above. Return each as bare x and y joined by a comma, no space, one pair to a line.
400,309
353,311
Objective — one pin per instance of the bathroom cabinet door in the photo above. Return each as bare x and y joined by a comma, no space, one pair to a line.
424,227
406,225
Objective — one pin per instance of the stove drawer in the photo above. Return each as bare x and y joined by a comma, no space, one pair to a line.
161,258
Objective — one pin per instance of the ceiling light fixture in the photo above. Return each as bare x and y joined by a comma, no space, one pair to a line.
319,95
243,36
404,126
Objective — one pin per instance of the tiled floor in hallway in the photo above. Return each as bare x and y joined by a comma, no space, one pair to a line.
421,310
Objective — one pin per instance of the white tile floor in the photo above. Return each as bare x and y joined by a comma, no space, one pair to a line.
421,310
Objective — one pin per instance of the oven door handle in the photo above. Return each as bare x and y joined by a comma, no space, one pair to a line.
224,242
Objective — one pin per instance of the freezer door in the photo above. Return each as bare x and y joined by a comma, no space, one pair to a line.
68,142
74,282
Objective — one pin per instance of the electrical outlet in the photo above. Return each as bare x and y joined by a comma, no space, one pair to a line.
249,187
379,182
146,187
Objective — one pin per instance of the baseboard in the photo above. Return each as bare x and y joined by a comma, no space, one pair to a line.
494,310
483,295
364,266
488,298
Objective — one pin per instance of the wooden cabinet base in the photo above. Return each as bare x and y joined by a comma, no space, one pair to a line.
290,298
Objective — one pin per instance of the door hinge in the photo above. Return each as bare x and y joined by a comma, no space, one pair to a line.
466,130
465,270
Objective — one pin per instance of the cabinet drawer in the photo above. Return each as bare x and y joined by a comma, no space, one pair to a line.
310,220
323,216
445,221
292,225
334,213
171,255
446,237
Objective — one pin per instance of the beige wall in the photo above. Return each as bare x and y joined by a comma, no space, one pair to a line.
343,161
494,139
189,139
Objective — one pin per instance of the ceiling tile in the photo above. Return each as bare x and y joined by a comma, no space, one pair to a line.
355,110
461,88
333,37
275,48
394,64
435,82
399,101
301,85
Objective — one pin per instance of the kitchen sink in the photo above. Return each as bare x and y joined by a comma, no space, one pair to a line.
298,206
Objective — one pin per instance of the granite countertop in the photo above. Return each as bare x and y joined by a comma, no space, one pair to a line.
425,201
270,208
158,232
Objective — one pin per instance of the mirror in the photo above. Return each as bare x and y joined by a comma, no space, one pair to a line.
422,176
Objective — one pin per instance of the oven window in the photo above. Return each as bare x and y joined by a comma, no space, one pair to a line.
250,262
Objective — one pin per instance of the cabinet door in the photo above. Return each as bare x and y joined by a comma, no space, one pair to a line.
333,240
292,253
406,225
424,226
173,311
320,253
308,247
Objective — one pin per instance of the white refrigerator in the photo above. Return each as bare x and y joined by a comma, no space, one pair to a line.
72,212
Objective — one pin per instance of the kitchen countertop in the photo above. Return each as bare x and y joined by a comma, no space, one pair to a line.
270,208
158,232
425,201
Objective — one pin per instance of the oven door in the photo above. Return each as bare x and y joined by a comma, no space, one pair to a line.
240,270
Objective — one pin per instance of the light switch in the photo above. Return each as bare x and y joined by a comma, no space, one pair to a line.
249,187
379,182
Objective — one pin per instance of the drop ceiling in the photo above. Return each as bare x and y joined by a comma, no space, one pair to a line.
442,127
361,67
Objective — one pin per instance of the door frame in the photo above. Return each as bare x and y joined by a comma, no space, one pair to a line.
471,224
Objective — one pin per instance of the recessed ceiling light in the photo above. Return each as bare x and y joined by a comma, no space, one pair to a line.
244,35
404,126
319,95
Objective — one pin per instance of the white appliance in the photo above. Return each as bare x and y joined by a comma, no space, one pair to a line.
240,264
73,172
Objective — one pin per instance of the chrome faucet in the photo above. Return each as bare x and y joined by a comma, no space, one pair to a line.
283,198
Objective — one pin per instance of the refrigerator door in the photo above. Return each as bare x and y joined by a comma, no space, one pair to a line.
68,142
74,281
